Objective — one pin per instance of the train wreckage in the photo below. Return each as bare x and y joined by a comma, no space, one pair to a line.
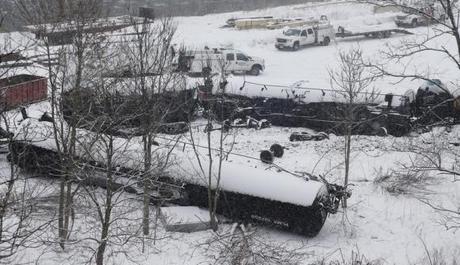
328,111
298,203
248,193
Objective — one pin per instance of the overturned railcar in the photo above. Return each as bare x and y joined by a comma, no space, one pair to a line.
319,109
248,194
328,110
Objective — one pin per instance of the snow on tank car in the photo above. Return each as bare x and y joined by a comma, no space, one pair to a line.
249,193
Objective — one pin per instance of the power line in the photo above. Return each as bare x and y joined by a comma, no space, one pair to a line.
231,153
316,89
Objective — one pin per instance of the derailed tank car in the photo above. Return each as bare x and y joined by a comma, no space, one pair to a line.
327,110
319,109
251,194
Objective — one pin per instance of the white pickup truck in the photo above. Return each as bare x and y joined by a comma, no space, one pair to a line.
314,33
218,61
420,16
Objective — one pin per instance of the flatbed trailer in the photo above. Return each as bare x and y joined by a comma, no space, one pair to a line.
370,32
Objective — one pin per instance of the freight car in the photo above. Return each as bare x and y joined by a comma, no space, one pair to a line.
327,110
22,89
249,194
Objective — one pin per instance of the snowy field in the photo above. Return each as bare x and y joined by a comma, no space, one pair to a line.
384,227
312,63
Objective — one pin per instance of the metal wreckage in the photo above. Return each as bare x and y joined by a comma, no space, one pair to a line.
248,193
260,192
328,111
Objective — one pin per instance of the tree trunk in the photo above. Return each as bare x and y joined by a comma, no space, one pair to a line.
108,207
68,208
146,179
211,192
347,160
61,210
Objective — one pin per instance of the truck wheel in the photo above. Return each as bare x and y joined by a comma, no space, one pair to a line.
295,47
255,70
326,41
413,23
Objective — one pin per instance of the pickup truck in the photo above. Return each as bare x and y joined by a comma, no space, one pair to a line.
420,16
219,60
293,39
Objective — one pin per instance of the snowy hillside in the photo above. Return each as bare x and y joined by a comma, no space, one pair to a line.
388,220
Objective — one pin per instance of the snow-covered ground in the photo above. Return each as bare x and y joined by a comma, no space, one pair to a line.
379,225
394,229
312,63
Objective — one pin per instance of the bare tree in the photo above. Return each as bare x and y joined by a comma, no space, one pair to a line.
247,246
2,18
71,71
214,112
440,156
148,70
445,25
436,155
351,81
20,222
104,148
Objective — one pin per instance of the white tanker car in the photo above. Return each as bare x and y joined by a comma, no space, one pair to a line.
258,194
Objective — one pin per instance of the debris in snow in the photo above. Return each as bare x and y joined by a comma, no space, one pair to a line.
306,136
185,219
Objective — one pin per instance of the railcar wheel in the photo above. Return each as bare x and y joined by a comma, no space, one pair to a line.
266,157
277,150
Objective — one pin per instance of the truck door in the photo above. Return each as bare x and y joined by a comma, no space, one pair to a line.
304,37
230,63
242,62
312,36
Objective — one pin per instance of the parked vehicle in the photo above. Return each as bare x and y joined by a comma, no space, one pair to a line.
373,31
420,16
218,60
319,32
